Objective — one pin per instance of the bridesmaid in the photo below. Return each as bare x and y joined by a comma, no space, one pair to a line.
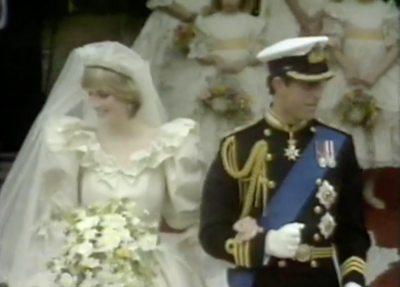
359,30
155,41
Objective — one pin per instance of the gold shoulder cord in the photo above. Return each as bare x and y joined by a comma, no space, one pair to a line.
254,170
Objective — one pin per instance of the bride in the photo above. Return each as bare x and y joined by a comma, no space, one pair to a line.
101,135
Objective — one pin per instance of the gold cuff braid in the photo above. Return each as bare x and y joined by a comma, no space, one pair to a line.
353,263
253,172
240,252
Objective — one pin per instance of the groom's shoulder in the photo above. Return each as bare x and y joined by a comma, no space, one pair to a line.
322,123
246,129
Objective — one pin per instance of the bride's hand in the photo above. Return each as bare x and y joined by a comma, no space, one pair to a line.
247,228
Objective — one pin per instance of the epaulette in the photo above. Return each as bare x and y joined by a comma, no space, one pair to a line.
241,128
333,127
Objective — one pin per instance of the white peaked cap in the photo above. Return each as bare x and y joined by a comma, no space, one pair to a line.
291,47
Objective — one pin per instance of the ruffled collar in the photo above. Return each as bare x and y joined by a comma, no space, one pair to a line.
71,134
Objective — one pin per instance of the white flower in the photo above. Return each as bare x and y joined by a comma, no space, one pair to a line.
135,221
80,214
109,240
148,242
57,265
90,234
90,263
219,105
66,280
87,223
84,249
113,221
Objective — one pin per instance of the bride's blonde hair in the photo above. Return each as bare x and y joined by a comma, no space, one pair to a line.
108,81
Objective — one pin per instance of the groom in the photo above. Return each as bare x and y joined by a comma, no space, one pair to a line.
282,200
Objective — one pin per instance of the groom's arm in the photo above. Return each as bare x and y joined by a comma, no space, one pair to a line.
220,209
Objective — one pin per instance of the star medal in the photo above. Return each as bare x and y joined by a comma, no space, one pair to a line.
292,152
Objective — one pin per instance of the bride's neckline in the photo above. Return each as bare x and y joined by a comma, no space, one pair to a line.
133,155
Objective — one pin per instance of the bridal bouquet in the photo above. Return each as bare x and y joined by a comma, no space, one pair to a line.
359,109
184,33
224,97
107,245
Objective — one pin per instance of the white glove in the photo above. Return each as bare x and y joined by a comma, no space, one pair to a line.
352,284
284,242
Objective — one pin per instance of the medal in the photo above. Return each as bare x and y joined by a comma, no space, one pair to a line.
292,152
325,151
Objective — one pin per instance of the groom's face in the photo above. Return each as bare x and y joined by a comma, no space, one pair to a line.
298,98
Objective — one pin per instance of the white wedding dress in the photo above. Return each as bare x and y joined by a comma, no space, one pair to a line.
163,178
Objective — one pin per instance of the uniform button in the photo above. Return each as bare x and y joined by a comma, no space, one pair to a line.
312,129
314,264
317,237
268,157
271,184
318,209
282,264
318,181
267,132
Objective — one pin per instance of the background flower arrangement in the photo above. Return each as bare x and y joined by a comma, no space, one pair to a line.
359,109
226,98
107,245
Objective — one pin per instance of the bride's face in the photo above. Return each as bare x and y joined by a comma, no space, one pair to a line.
107,107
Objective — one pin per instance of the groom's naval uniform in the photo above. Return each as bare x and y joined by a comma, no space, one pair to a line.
279,174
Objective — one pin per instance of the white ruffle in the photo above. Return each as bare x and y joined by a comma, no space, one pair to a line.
71,134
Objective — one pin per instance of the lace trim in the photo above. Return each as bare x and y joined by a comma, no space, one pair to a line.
71,134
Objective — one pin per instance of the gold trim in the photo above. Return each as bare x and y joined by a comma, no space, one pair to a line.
253,171
239,251
307,253
310,78
317,56
353,263
275,122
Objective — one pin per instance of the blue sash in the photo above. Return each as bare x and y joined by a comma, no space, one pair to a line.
295,192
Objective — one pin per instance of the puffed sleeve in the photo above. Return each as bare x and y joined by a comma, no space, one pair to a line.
185,173
200,44
60,172
390,24
184,176
351,237
332,24
154,4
